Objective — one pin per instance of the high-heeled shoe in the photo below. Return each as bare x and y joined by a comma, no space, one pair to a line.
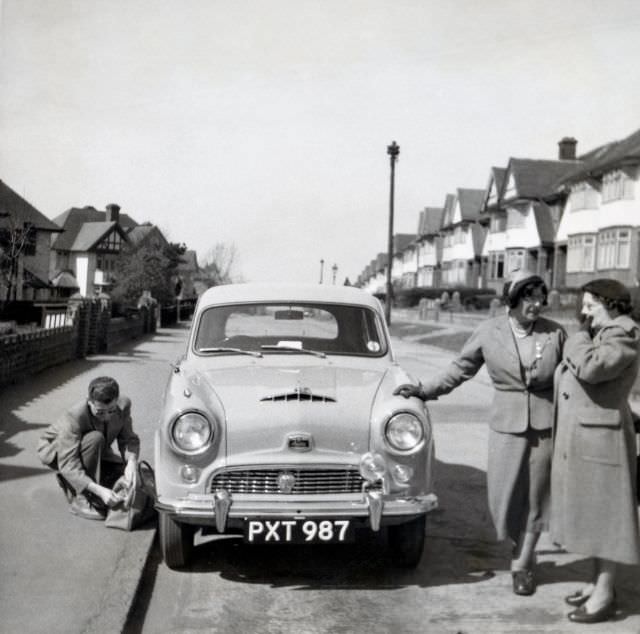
606,612
524,582
576,599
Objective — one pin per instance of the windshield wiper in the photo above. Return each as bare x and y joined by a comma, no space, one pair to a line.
315,353
251,353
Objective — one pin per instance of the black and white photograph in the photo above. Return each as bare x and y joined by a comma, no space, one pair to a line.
319,316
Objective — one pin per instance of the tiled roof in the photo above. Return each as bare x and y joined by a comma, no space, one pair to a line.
21,211
137,234
90,234
544,222
449,206
497,176
537,178
604,158
65,279
470,203
189,261
401,241
73,219
478,233
431,221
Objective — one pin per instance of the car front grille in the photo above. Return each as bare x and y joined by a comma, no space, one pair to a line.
306,481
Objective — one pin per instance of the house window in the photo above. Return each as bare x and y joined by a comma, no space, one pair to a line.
496,266
583,197
614,249
581,253
498,223
515,259
516,218
617,186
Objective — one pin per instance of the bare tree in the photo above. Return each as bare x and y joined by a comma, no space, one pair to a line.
16,240
219,265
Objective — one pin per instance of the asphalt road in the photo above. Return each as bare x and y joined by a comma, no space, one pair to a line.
462,584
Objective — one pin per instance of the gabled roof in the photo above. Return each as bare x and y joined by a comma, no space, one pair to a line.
137,235
605,158
448,209
65,279
470,201
536,178
544,222
431,221
73,219
496,178
92,232
401,241
188,261
478,233
21,211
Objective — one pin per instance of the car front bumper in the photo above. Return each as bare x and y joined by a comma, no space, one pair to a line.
218,508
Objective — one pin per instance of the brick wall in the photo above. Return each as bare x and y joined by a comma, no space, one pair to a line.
30,352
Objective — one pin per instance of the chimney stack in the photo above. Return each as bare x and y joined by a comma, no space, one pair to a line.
567,149
113,213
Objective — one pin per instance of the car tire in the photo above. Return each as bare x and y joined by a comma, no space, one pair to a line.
406,542
176,541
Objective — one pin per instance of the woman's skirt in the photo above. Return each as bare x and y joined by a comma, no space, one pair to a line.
519,481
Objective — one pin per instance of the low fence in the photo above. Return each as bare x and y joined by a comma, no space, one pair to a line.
30,352
83,328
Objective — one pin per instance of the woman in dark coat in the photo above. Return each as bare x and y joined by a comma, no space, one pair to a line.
593,497
521,351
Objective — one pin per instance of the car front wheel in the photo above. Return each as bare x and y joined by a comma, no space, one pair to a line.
176,541
406,542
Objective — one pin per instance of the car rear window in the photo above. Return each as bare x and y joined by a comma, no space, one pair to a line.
327,328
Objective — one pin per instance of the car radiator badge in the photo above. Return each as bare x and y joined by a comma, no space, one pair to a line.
286,482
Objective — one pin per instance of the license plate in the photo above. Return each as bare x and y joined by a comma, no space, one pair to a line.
298,531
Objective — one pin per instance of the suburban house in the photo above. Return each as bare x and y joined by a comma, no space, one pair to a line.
188,271
89,245
404,268
25,235
429,244
522,209
146,234
494,218
599,232
462,238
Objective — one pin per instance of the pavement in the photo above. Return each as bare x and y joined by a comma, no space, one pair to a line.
60,573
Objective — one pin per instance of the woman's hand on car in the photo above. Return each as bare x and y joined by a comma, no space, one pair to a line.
408,390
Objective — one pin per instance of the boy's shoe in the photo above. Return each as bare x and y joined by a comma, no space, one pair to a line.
83,508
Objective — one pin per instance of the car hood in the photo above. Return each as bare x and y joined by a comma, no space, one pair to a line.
265,406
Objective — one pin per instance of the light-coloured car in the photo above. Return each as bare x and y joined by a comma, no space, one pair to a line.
279,424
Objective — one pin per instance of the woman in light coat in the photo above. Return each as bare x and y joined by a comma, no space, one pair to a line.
521,351
593,497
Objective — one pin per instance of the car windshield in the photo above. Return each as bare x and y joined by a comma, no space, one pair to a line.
288,328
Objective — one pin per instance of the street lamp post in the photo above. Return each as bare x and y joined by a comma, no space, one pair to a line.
321,270
392,150
334,270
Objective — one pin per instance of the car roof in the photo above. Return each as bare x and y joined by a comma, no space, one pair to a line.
241,293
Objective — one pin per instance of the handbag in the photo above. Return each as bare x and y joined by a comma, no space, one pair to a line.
138,499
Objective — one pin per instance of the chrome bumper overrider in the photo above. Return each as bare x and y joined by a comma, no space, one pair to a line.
220,506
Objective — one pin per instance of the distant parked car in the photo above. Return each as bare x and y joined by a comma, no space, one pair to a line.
280,425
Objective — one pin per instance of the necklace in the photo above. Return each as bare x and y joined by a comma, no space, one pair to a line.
518,330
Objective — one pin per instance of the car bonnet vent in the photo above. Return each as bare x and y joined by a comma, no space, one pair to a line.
299,394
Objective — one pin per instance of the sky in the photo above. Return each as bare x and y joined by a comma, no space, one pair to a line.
263,124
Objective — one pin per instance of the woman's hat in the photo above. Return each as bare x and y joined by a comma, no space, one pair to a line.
518,280
608,289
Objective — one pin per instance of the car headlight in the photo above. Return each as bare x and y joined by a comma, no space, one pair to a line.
404,431
191,432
